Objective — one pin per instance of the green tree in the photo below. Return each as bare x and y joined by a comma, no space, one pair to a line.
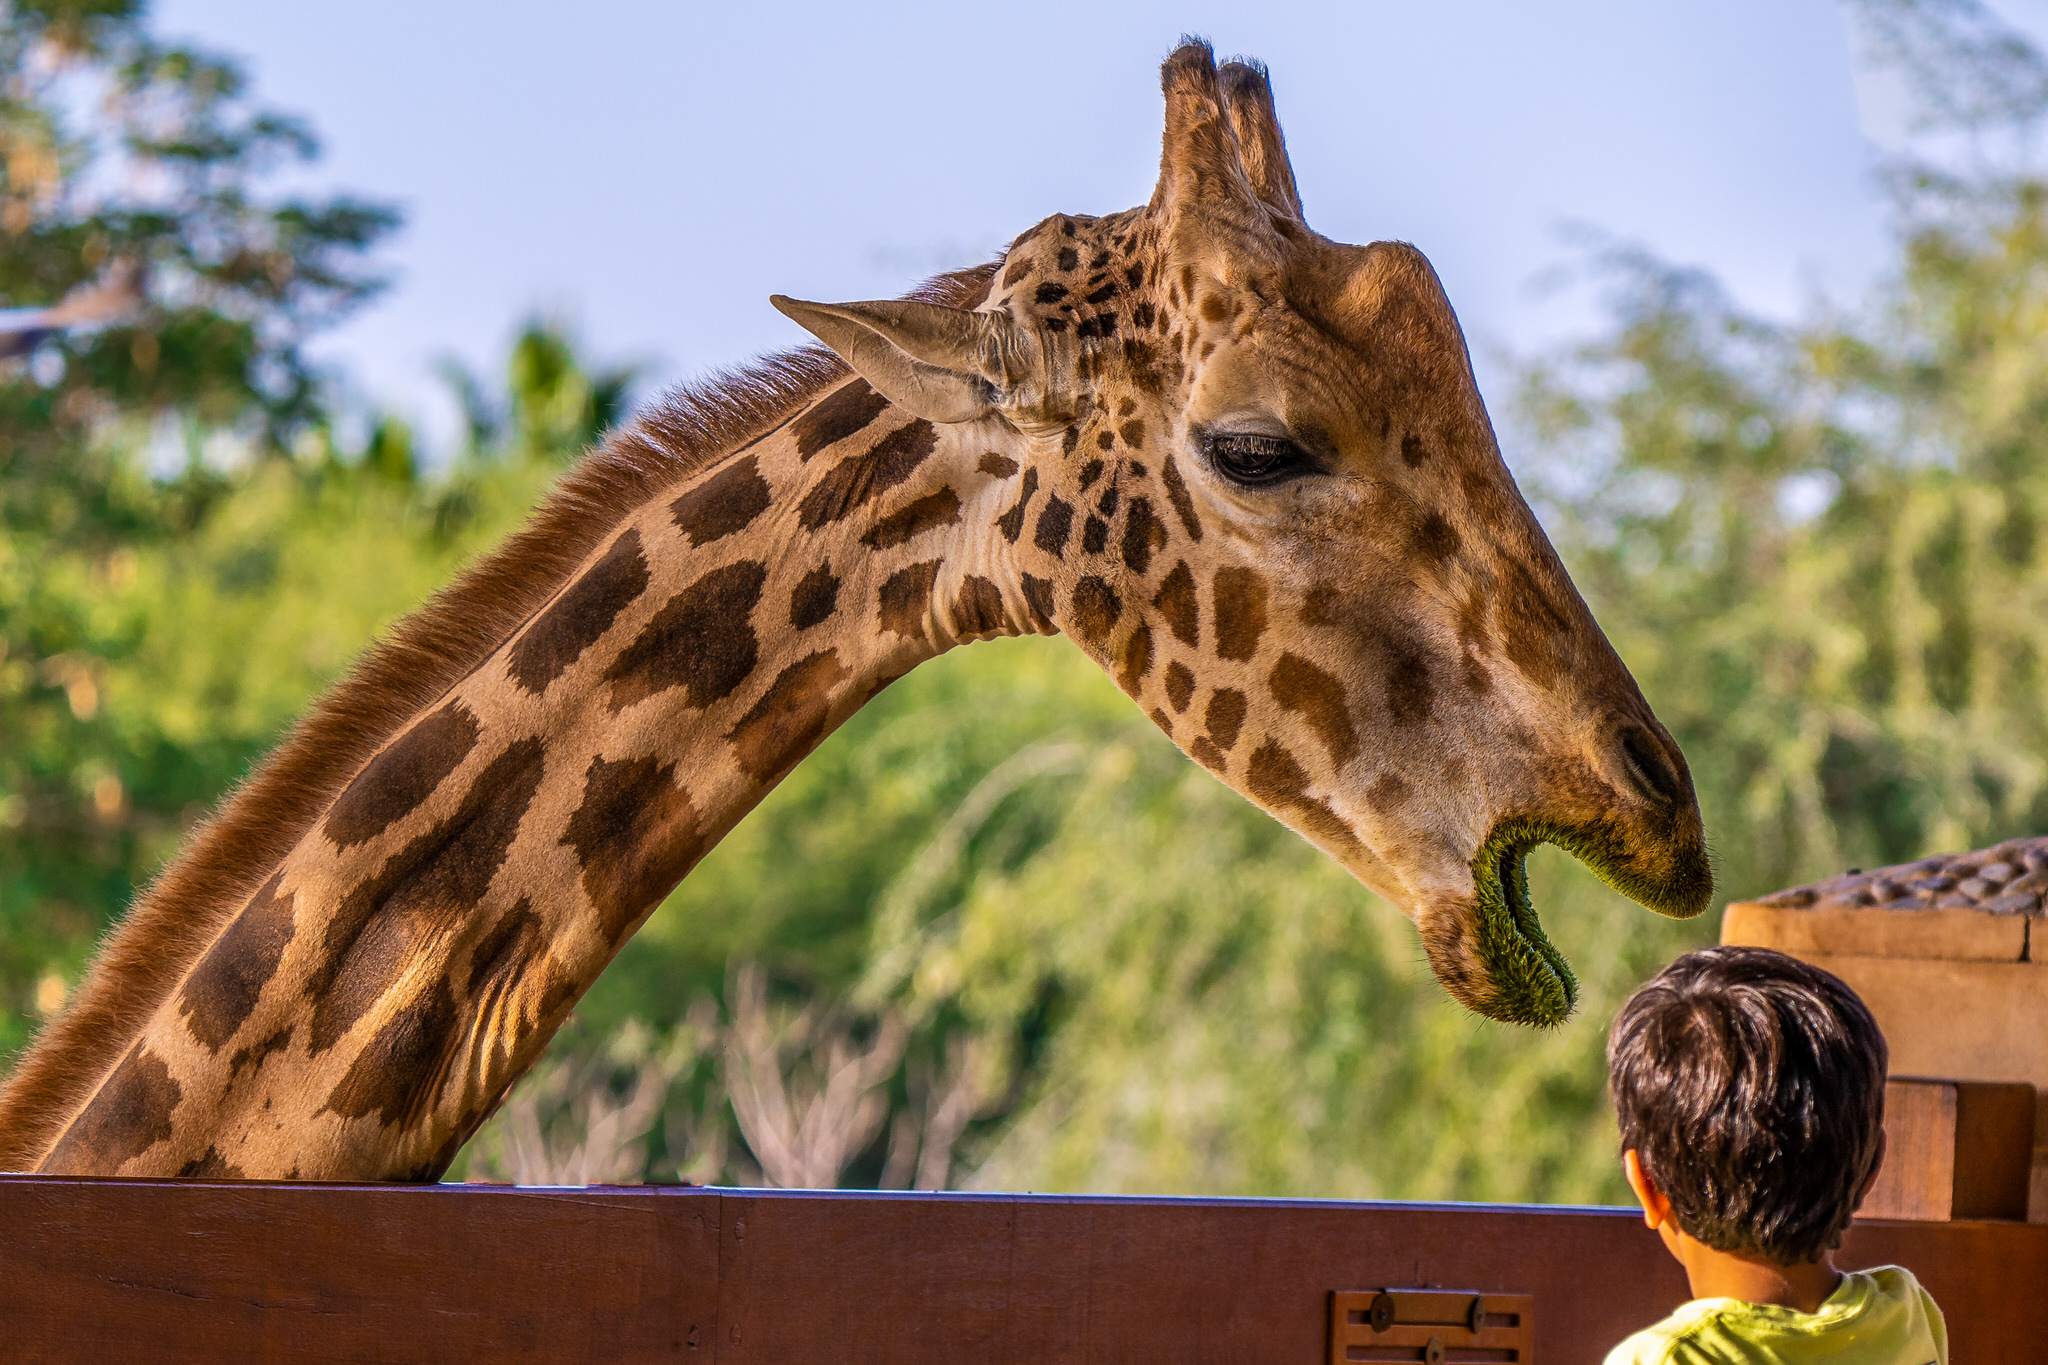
122,158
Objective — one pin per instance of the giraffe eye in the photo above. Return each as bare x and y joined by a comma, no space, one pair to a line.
1254,459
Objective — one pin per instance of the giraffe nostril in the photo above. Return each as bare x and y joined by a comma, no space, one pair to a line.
1648,767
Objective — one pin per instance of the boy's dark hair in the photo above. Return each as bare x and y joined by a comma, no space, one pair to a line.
1751,1086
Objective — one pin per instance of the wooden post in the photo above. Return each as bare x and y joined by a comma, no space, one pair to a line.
1954,1149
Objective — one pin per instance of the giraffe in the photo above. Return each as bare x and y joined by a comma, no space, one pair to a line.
1243,467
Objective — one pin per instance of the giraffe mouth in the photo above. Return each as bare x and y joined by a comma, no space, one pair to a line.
1528,981
1524,979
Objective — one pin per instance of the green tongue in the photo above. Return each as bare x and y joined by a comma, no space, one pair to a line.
1532,982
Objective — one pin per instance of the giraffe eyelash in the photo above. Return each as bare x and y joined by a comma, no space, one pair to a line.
1255,459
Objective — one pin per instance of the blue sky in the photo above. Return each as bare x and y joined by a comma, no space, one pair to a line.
654,171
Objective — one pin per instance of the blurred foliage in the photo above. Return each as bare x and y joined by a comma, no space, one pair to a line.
130,605
1086,964
1820,547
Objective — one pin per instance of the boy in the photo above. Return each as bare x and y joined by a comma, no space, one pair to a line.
1750,1089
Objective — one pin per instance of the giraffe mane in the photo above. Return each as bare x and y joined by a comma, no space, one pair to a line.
226,858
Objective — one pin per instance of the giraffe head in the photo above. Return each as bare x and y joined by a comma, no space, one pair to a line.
1259,485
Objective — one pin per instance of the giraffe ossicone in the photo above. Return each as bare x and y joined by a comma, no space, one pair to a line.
1245,468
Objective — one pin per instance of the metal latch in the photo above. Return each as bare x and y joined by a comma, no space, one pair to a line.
1434,1326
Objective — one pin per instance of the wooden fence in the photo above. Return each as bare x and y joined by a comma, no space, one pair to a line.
171,1271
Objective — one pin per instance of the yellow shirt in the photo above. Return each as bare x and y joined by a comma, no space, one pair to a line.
1874,1317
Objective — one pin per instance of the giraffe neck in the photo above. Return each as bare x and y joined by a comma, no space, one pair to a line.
413,952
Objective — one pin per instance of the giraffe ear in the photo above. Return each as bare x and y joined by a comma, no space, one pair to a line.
943,364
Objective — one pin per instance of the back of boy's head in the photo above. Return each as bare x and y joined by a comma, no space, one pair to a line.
1751,1086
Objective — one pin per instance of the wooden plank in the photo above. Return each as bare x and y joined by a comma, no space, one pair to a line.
184,1271
1954,1149
173,1271
1987,1277
1974,1021
1995,1141
1926,935
942,1278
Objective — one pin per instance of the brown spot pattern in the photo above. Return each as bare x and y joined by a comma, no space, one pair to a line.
211,1166
1224,716
584,611
814,598
1137,660
726,502
859,479
1001,466
1094,535
1096,609
420,894
1240,612
1277,781
927,513
1055,525
635,835
978,608
560,993
1319,608
1038,597
1011,523
1183,505
503,954
1538,640
1299,685
396,1076
1436,539
700,641
1410,693
841,413
255,1054
1180,685
130,1114
1178,606
1412,453
393,784
906,599
222,990
789,719
1144,535
1388,792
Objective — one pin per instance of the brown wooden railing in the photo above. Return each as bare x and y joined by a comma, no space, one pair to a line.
170,1271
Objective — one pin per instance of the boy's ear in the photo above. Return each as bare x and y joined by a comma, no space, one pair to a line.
942,364
1656,1208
